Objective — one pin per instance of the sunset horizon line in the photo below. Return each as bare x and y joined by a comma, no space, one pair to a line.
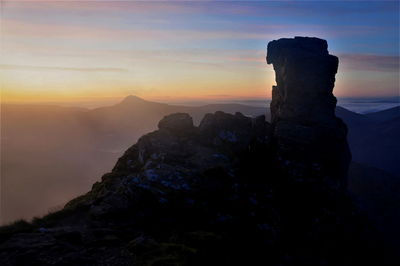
101,101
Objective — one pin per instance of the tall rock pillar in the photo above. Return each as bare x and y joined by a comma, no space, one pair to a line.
310,140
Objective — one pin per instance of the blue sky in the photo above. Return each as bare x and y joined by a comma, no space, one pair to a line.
191,50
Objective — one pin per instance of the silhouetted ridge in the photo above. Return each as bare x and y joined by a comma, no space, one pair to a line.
385,115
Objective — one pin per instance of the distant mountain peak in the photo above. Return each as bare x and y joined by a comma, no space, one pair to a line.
132,99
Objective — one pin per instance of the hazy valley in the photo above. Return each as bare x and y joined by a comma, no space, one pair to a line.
51,154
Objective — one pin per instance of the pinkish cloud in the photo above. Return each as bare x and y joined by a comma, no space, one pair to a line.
371,62
58,68
24,29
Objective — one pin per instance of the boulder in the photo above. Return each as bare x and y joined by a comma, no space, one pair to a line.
176,123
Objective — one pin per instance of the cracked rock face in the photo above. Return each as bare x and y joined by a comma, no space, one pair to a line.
310,139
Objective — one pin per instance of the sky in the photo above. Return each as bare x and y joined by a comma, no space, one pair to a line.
98,50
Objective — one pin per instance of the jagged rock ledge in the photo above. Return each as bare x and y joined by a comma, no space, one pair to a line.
186,195
175,159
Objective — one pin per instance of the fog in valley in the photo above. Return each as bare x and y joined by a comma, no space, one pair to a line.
51,154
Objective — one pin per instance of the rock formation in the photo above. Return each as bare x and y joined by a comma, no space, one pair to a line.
310,140
213,194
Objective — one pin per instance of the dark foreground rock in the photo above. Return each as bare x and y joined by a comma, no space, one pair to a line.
232,191
210,195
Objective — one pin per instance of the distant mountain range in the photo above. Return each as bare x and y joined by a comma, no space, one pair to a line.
51,154
373,137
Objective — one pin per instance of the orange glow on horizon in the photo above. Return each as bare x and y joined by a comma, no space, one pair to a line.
73,51
46,97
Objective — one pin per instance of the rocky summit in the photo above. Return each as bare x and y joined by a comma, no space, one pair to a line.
234,190
310,140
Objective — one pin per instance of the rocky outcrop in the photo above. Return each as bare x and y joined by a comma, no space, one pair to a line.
187,195
178,123
310,140
170,195
214,194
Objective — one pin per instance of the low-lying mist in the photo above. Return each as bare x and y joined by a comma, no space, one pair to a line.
51,154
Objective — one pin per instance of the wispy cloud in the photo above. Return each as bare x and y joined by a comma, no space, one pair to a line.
40,30
57,68
253,8
370,62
